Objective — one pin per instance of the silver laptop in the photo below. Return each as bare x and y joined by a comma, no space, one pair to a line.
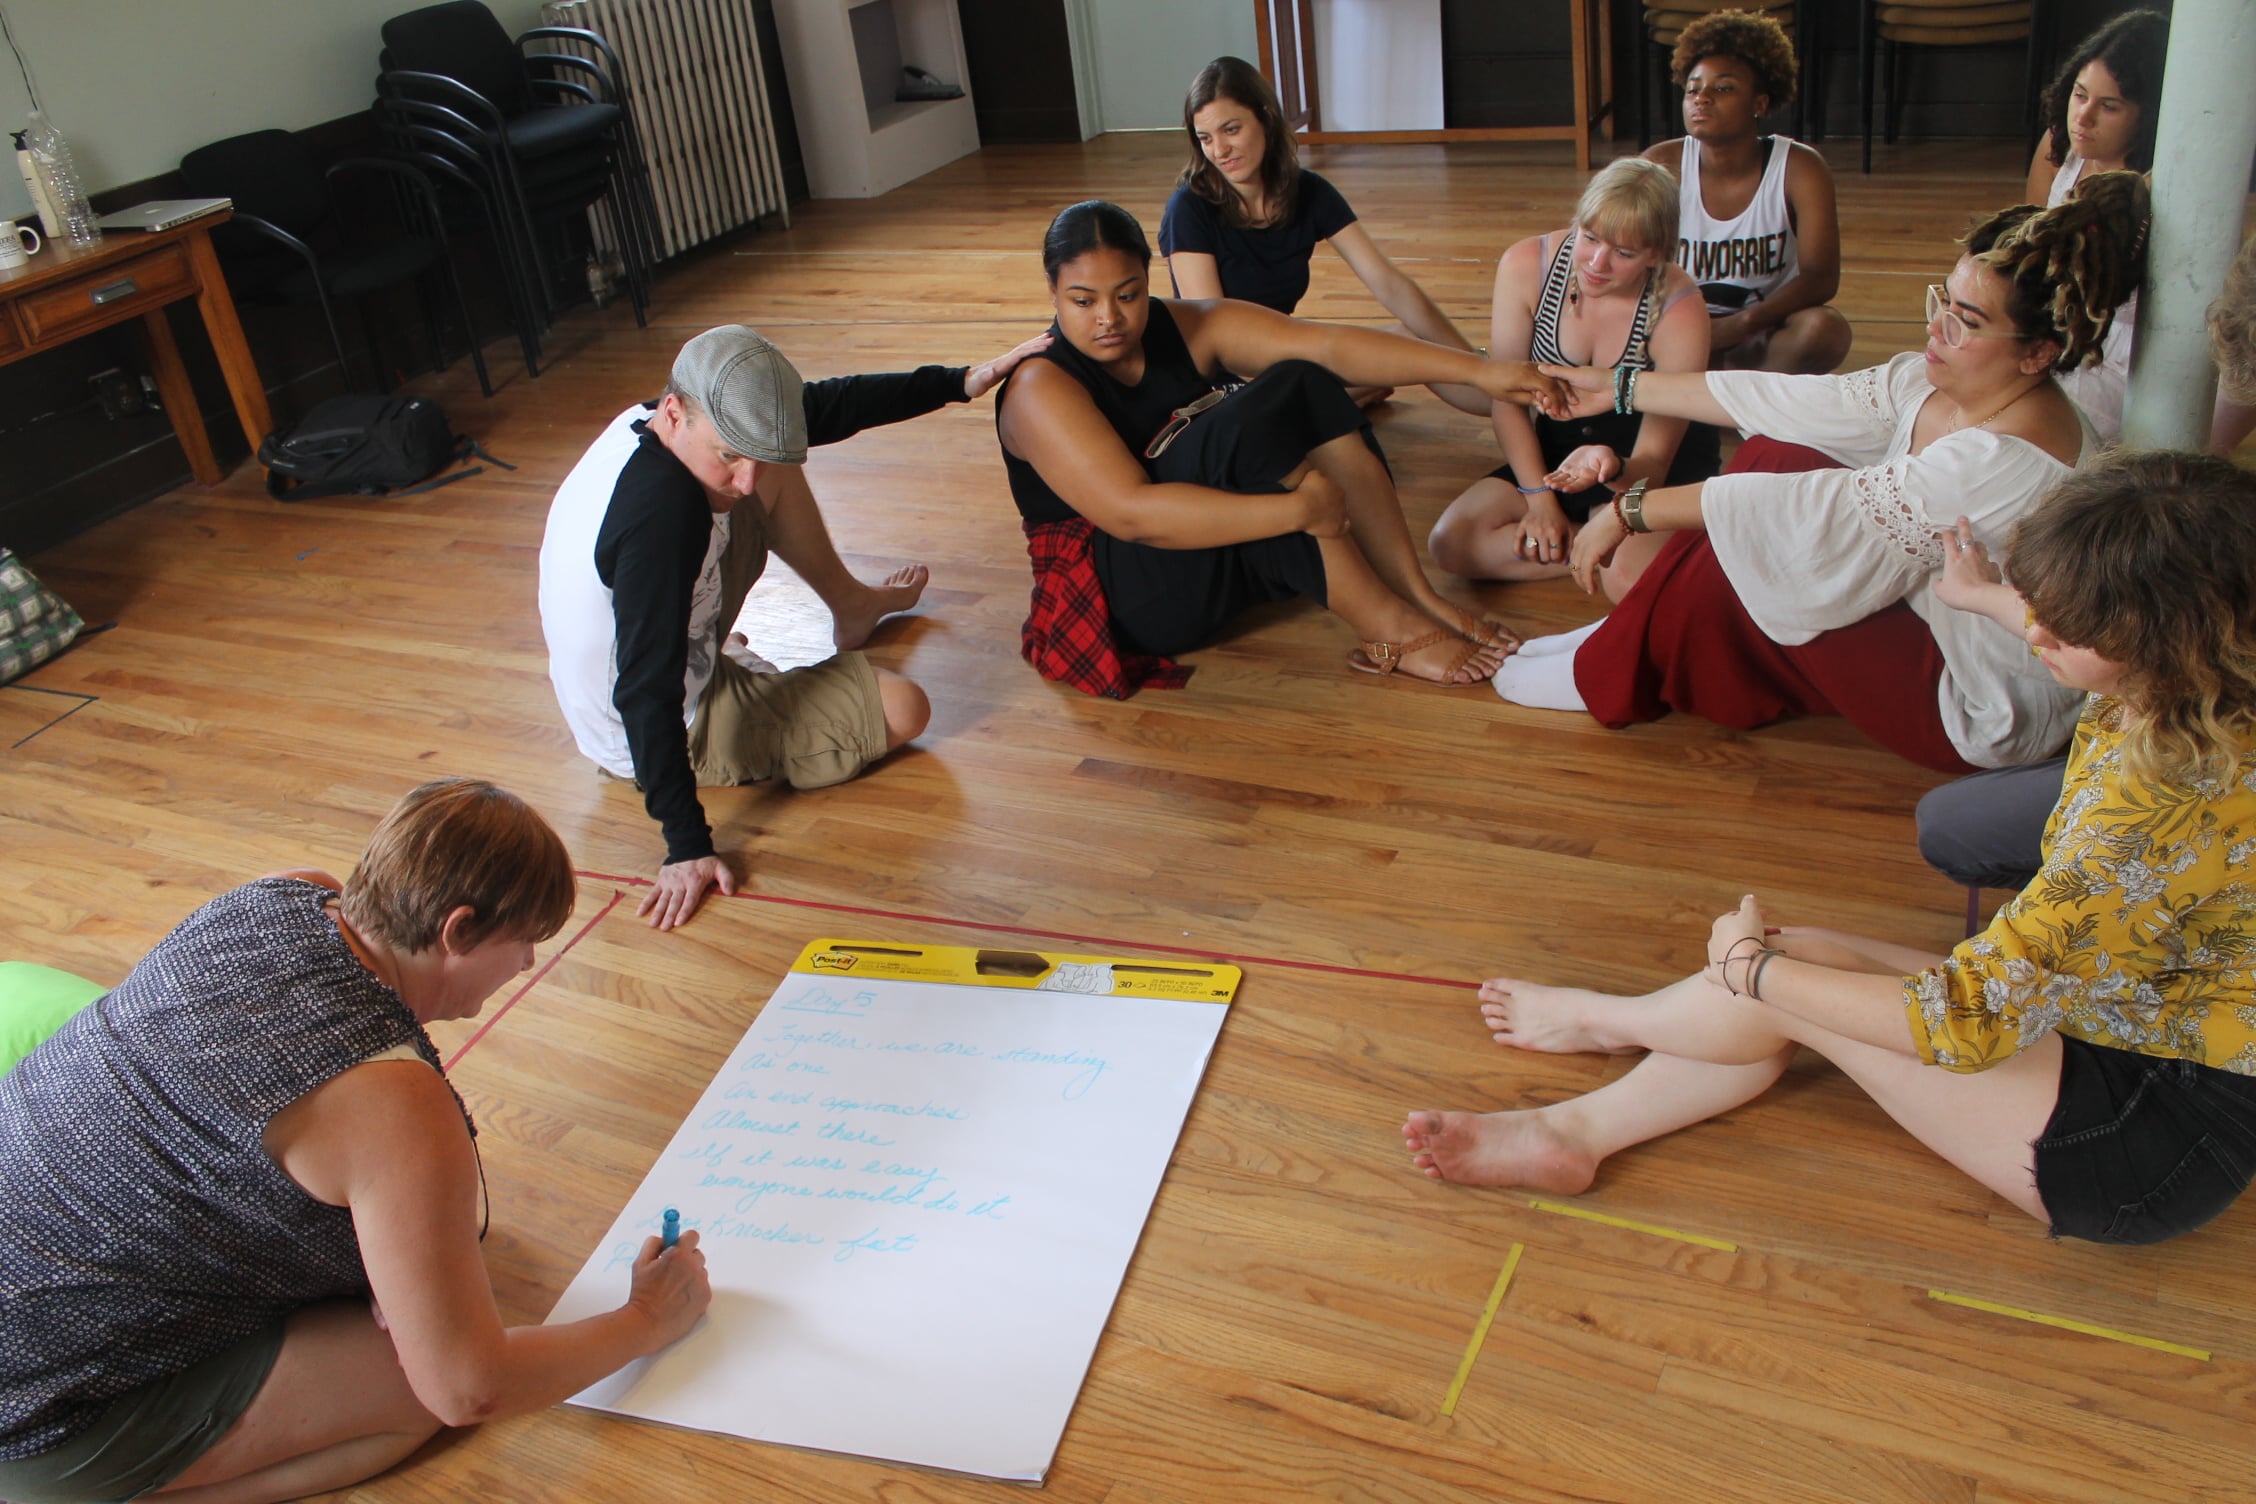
163,213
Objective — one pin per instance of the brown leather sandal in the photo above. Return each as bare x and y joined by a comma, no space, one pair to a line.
1386,657
1486,631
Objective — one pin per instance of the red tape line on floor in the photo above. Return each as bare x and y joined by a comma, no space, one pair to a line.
534,980
1107,941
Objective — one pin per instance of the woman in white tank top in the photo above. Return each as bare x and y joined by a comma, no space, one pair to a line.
1758,228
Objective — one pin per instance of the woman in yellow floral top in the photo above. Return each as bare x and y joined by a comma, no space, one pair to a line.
2097,1042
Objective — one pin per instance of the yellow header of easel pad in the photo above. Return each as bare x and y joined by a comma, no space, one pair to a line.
1035,971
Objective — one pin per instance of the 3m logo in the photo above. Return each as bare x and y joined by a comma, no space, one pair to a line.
831,960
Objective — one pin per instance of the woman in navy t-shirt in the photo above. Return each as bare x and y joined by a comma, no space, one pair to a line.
1245,217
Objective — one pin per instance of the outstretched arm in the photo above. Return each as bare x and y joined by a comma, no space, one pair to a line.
1049,421
1392,286
984,378
1249,340
1589,390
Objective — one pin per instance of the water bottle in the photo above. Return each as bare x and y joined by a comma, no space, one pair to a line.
49,225
51,155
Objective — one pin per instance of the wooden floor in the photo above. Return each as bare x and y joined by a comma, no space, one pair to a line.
1368,850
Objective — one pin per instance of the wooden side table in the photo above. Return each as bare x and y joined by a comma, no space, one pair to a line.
67,292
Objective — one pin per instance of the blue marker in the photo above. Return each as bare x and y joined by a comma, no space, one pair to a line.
672,1231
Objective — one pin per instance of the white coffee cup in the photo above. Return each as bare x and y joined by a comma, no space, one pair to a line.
13,252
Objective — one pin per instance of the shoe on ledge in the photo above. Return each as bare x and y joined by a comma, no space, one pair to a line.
916,84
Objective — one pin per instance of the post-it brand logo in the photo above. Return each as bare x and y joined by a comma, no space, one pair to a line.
831,960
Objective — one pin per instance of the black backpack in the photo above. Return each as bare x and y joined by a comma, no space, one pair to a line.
366,446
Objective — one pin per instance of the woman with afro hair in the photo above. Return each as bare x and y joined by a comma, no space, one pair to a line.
1758,229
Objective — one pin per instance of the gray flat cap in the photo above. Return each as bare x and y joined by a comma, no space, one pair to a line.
749,390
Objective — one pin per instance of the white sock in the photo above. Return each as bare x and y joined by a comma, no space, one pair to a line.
1543,682
1564,642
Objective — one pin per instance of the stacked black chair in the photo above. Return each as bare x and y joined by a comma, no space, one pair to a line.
1893,27
288,239
552,135
472,200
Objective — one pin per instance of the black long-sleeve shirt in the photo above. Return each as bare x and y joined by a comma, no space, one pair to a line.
653,542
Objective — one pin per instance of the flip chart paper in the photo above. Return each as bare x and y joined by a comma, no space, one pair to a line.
917,1201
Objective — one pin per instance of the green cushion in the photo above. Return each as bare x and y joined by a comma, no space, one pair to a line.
35,1001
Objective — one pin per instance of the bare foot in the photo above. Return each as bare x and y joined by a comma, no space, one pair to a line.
1554,1020
1498,1148
852,624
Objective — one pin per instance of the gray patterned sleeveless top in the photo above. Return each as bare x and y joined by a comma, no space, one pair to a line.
143,1227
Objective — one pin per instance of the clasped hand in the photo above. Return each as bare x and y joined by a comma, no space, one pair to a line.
1580,392
1522,383
1728,944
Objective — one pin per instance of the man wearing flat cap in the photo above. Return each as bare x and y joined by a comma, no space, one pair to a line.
653,543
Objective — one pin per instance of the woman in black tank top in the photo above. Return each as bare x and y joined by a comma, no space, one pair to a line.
1604,292
1274,491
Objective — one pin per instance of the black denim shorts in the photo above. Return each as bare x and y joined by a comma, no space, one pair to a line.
2141,1148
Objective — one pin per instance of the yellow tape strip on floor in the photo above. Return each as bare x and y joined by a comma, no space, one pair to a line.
1658,1232
1480,1333
2069,1324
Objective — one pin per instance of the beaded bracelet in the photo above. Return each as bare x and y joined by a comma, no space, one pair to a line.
1625,389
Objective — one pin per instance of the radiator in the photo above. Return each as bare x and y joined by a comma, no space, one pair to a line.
701,104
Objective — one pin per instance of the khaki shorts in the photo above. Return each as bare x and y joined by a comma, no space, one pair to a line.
148,1436
812,726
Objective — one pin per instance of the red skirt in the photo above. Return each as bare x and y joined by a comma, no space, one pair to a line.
1682,641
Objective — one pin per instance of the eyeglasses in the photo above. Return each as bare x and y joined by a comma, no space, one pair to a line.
1180,421
1953,328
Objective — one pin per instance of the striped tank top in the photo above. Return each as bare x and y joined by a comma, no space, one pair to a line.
1551,303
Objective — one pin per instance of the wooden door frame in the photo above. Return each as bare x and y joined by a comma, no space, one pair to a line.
1590,25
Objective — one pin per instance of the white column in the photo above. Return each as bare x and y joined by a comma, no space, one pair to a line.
2202,151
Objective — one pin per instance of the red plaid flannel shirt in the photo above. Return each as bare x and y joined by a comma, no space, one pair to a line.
1068,634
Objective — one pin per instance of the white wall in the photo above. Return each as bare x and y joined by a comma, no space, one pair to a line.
133,84
1145,51
1378,64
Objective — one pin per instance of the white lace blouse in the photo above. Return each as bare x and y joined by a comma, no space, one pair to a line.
1828,548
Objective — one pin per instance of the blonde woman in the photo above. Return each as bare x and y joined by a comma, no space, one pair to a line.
1604,292
2090,1057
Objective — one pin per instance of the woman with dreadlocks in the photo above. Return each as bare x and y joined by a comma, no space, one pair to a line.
1801,582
